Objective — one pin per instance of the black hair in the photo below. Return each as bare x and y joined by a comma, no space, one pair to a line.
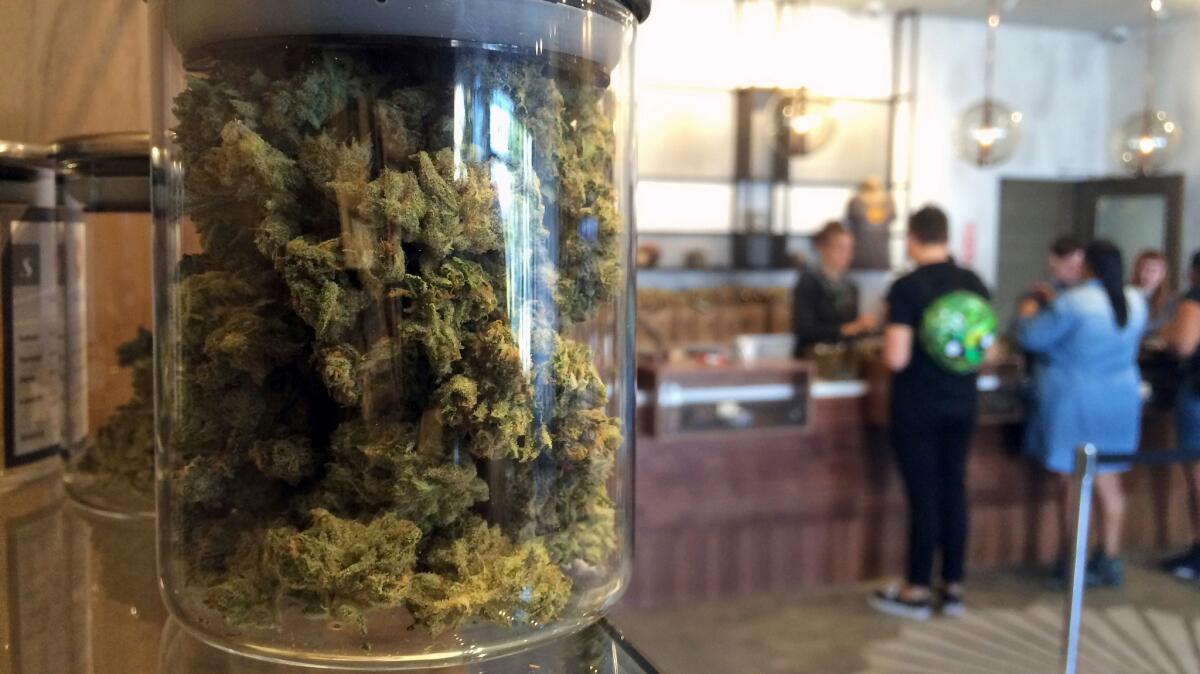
828,231
1066,245
1196,262
929,226
1104,260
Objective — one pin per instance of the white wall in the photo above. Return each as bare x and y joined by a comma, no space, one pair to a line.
1058,79
1177,92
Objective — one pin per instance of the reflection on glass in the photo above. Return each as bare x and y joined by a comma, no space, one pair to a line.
595,650
116,598
37,633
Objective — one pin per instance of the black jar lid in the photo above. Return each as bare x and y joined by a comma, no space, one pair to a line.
121,145
23,161
105,172
640,8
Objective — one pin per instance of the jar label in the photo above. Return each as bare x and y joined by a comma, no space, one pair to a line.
34,339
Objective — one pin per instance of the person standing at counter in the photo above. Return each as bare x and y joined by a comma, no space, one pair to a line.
1183,337
1064,270
1064,266
825,302
933,416
1150,276
1088,391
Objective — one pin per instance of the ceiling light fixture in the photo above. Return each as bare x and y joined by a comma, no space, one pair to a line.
988,132
810,122
1147,140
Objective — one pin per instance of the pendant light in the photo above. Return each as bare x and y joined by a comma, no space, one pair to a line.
988,132
809,121
1147,139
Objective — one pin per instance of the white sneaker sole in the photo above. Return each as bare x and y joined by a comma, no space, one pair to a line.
1184,573
900,610
958,611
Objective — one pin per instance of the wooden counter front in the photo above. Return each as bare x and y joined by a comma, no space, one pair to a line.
757,511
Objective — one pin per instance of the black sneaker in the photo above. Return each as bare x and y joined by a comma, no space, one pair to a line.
890,602
951,604
1105,571
1185,566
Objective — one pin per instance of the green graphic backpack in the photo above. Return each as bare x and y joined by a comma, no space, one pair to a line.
957,330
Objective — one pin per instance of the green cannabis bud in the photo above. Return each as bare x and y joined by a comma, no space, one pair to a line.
381,400
120,459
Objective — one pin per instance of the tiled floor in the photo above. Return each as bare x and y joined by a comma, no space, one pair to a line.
1151,625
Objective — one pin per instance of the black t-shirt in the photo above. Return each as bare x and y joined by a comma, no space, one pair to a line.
925,389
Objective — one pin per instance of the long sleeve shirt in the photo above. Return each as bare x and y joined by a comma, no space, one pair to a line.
820,307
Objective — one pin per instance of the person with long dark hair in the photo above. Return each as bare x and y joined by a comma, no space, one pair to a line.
1087,339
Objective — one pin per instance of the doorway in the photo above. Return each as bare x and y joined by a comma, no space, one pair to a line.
1134,213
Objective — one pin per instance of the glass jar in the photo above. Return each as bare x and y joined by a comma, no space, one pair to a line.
116,601
33,325
38,628
393,323
105,199
594,650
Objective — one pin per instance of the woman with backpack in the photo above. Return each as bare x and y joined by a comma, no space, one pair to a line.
1088,392
933,414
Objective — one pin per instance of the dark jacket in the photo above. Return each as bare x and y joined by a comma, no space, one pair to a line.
820,307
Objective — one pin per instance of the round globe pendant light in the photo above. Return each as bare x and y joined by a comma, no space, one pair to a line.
988,132
1148,139
810,123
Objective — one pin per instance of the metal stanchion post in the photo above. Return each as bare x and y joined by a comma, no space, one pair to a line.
1085,473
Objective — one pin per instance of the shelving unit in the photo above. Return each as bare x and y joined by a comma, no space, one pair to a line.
696,162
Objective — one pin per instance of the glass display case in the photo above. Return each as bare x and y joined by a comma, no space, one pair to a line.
689,397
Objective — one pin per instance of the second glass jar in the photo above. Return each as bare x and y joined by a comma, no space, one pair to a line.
394,324
105,200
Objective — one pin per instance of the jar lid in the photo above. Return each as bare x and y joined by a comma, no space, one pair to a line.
640,8
587,29
107,172
26,177
14,152
126,144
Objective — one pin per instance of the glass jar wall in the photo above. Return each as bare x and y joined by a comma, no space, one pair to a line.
33,354
393,323
105,201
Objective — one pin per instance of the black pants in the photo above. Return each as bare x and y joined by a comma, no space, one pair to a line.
933,461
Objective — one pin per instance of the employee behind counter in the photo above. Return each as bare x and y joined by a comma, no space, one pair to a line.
825,302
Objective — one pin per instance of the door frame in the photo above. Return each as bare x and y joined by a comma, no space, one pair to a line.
1089,192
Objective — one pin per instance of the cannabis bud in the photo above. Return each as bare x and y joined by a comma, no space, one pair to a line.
380,398
119,462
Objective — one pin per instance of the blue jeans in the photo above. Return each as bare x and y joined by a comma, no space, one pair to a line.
1187,416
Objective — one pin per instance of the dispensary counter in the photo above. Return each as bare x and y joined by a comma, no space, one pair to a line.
727,506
